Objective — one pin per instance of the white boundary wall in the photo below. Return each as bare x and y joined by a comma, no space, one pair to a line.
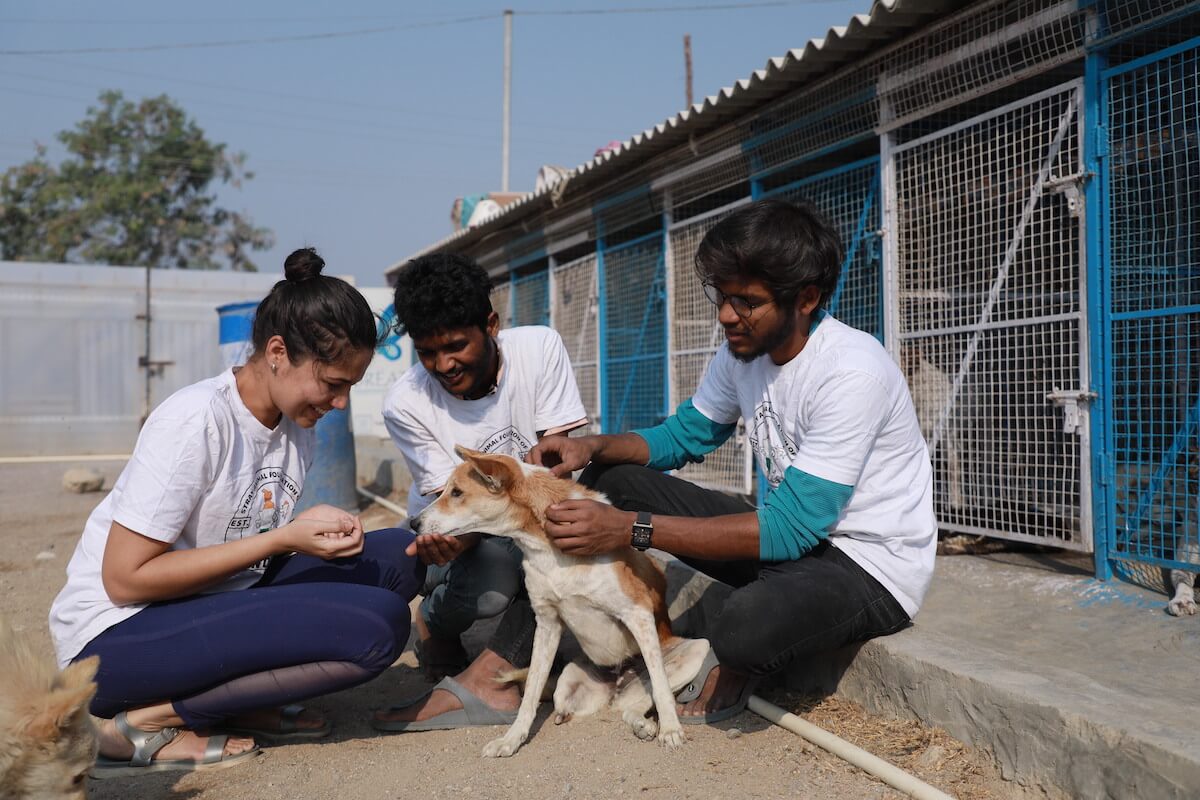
70,340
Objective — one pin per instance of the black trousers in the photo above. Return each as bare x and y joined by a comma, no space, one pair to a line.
777,613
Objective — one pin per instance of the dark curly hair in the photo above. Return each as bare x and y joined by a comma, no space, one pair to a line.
785,246
441,292
319,317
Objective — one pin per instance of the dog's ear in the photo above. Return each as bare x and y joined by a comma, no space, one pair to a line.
496,472
68,698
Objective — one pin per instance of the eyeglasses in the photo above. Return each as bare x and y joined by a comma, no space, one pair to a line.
740,305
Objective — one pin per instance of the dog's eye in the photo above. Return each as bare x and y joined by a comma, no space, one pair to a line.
456,492
79,779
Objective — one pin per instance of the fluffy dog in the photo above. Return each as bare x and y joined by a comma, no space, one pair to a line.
614,604
47,740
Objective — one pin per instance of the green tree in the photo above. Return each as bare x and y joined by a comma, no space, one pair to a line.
136,188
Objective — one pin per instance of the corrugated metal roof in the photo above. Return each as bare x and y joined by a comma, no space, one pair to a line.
888,21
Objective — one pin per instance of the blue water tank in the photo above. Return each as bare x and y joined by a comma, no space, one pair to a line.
331,479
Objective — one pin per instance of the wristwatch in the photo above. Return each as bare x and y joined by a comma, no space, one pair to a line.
643,529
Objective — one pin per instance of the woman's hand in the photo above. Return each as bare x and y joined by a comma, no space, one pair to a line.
438,549
588,527
325,532
562,454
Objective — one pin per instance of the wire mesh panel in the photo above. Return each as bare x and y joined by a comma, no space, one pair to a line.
982,48
1118,17
849,197
531,298
1152,271
635,386
576,306
502,303
991,324
696,335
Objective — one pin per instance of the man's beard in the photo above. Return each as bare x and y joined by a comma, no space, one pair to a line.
773,340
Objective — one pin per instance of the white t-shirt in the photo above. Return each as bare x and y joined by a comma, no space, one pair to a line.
841,410
204,471
535,391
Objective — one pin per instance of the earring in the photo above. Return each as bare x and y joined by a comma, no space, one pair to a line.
274,366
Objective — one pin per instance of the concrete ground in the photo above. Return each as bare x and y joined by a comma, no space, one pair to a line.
1074,684
1077,688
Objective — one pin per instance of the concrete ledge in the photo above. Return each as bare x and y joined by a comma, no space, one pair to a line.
1081,729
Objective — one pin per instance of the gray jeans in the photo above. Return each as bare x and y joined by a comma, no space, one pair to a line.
477,585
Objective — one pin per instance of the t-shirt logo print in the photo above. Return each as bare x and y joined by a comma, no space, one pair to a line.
773,449
265,505
508,441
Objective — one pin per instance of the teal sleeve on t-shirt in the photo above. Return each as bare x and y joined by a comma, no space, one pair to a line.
798,514
684,437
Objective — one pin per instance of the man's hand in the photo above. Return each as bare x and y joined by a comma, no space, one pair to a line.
438,549
588,527
562,454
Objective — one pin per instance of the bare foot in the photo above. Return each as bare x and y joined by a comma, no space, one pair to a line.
187,746
721,690
479,678
271,719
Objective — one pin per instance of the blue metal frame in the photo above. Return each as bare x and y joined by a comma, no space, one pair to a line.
1095,151
1101,252
601,336
612,419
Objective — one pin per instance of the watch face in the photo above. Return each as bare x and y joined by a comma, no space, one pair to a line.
641,537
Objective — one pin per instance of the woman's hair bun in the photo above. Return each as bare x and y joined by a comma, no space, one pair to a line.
303,264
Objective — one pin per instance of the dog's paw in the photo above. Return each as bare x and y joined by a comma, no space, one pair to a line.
562,716
644,728
671,737
502,747
1181,606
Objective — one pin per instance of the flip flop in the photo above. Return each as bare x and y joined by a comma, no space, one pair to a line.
474,713
288,730
147,743
690,692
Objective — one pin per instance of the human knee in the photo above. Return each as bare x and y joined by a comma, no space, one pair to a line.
612,479
491,604
741,638
387,545
380,634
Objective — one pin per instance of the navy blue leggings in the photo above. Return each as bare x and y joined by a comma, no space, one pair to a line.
309,627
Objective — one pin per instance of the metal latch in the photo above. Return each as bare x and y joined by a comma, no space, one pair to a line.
1069,187
1068,400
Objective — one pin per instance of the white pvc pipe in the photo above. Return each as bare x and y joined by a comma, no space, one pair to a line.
388,504
888,773
58,459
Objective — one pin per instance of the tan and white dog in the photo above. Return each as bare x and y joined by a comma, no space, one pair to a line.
614,604
47,740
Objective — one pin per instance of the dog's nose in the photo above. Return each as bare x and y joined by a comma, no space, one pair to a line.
414,524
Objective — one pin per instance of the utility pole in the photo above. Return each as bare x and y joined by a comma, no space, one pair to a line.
687,62
505,136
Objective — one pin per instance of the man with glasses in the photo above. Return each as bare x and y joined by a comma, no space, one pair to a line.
842,548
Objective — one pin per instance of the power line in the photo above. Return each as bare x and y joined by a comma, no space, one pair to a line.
375,106
661,9
350,125
412,26
238,42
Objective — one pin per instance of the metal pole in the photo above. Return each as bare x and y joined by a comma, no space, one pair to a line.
146,360
687,62
505,134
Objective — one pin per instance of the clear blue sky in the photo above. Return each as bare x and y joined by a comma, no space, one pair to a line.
360,143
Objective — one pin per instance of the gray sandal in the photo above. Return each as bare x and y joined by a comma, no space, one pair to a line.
690,692
147,743
474,713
